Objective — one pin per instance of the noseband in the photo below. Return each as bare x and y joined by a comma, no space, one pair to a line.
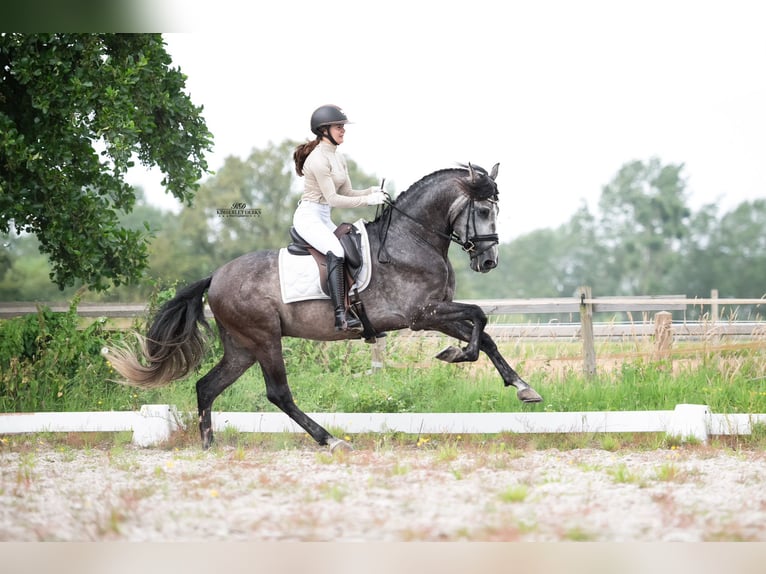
469,245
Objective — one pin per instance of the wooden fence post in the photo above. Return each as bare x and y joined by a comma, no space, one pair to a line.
714,306
378,351
586,331
663,334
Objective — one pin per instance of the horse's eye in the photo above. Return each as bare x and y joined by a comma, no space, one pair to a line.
484,212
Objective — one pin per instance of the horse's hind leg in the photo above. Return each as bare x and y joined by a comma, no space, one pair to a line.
278,392
209,387
234,363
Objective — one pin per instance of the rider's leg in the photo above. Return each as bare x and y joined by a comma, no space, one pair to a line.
312,221
336,285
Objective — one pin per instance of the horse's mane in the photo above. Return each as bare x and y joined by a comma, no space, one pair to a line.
482,187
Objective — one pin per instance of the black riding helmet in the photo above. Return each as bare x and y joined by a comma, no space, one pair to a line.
325,116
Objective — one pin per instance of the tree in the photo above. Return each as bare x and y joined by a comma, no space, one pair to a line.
76,112
542,263
644,219
264,185
25,271
733,260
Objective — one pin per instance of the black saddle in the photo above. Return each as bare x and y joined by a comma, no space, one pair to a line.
349,238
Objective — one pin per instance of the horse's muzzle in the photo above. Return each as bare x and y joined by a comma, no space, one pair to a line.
483,265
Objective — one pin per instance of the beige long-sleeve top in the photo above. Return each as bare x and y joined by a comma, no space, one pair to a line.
327,181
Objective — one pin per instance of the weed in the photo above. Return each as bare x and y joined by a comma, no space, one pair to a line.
578,534
621,474
610,442
239,453
669,472
446,453
514,493
25,472
338,456
333,492
400,469
111,525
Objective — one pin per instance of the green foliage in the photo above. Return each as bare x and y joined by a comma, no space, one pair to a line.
76,110
643,239
731,256
644,218
47,363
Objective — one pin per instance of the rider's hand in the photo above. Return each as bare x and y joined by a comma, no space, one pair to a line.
376,198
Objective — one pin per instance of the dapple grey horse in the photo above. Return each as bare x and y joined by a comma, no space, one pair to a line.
412,286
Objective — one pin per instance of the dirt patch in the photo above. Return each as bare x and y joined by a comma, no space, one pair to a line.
449,493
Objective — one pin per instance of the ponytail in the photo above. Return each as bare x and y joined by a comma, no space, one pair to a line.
302,152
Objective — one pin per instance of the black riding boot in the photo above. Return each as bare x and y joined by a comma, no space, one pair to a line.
336,285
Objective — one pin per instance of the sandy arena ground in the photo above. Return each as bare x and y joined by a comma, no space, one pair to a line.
409,494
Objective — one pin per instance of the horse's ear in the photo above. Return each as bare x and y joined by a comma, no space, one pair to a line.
471,172
493,173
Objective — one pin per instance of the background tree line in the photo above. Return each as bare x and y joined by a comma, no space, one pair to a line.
77,111
642,239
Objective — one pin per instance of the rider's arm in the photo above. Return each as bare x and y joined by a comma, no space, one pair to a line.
320,173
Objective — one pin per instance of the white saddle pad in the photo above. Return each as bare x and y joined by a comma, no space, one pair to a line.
299,274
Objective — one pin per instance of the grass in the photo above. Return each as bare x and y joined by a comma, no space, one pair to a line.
497,449
621,474
515,493
334,377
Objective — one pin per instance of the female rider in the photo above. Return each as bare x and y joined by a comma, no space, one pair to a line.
327,185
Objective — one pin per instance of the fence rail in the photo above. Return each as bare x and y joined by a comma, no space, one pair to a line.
663,330
538,306
154,424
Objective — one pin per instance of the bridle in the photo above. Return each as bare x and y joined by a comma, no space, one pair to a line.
469,245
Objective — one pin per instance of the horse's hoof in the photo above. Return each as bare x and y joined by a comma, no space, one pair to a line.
528,395
338,444
450,354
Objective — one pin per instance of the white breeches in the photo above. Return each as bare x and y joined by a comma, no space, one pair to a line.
312,221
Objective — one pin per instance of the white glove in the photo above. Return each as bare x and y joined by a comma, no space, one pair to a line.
376,198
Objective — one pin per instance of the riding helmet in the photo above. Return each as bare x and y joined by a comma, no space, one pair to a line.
325,116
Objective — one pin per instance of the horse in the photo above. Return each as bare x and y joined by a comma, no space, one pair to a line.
412,286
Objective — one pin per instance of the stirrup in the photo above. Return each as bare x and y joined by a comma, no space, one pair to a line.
347,322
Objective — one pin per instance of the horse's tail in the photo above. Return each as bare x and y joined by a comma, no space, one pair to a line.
173,346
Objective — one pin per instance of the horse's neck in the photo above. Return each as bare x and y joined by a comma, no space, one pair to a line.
422,213
431,207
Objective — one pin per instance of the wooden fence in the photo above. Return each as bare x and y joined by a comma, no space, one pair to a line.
656,322
154,423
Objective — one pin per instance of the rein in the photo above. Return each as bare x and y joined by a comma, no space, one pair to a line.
469,245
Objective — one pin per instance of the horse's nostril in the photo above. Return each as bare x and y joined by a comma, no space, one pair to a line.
490,264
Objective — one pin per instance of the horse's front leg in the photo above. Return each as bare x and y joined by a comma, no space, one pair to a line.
442,316
464,330
524,392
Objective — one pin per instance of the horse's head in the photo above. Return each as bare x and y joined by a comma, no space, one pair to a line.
475,222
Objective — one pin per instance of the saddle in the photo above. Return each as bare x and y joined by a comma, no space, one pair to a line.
351,241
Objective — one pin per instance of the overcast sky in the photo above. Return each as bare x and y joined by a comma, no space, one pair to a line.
560,93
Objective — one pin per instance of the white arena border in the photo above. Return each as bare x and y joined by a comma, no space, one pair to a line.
153,424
